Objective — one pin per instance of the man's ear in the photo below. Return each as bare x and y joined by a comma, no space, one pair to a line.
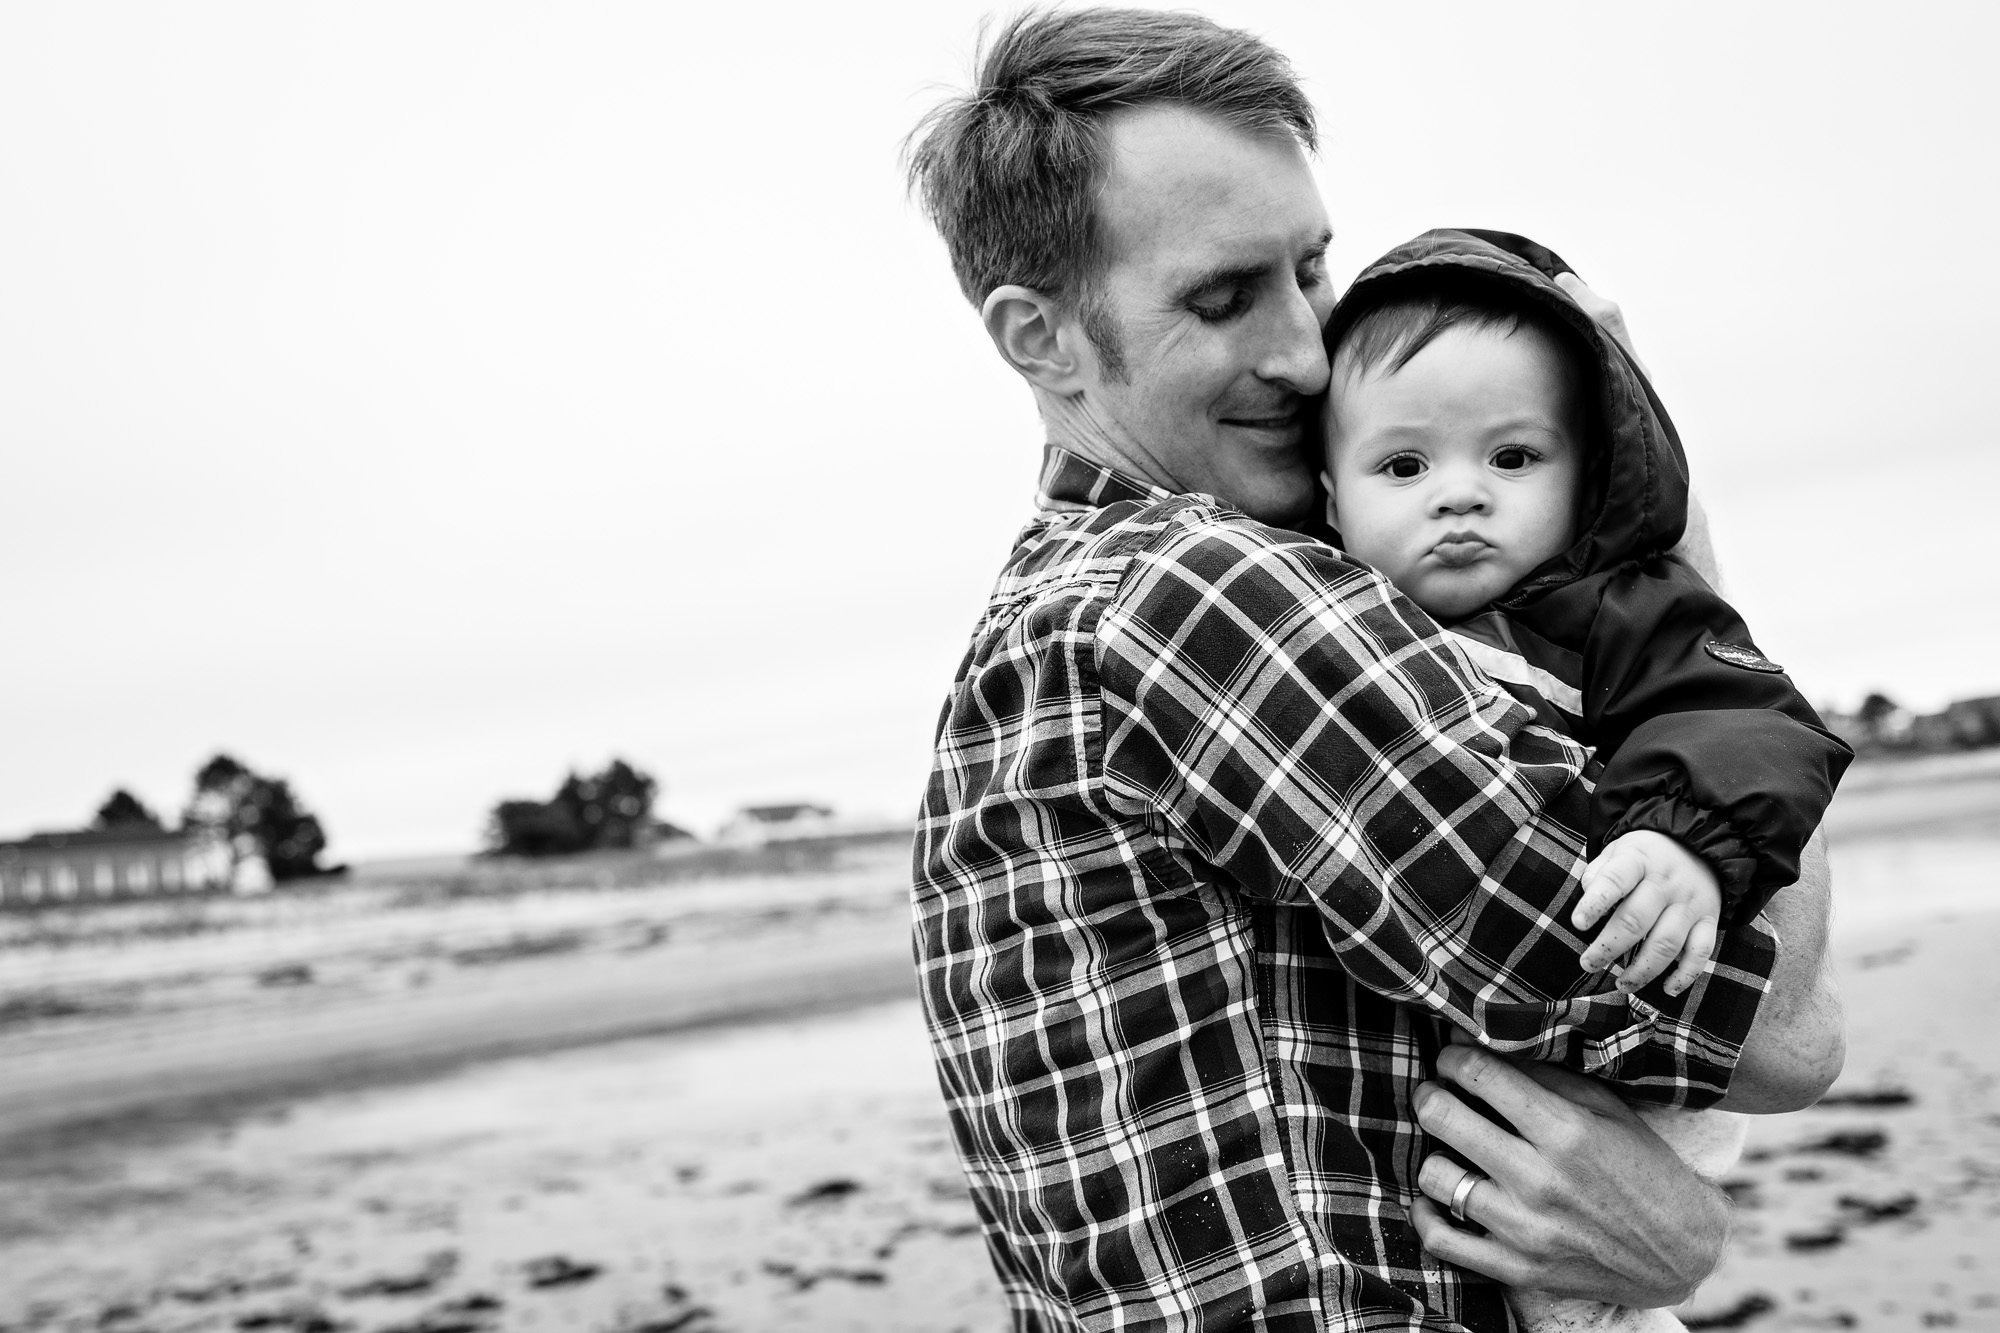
1033,336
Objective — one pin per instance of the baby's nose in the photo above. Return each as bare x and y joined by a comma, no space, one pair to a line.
1460,492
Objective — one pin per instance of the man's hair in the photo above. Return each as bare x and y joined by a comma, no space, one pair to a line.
1010,172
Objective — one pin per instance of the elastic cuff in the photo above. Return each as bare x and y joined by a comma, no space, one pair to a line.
1702,832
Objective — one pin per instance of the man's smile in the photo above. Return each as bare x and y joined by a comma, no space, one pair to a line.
1286,422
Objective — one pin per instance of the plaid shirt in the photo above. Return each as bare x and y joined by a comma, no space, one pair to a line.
1220,828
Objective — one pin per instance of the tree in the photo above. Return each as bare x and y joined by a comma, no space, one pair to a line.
124,810
256,815
1883,720
613,808
1876,709
533,828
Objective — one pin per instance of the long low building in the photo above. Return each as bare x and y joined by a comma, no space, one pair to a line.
124,861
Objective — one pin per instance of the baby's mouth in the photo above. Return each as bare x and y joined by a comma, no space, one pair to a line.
1459,549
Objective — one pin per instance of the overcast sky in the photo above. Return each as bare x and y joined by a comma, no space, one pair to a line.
418,400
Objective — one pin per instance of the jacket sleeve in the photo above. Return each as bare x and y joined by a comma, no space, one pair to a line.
1702,737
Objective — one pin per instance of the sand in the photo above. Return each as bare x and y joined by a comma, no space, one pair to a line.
1880,1208
734,1126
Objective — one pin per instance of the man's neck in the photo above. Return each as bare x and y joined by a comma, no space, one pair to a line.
1071,424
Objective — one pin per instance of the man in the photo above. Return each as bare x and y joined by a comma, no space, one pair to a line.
1222,839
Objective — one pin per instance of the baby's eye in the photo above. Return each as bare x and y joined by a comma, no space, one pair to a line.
1513,458
1404,467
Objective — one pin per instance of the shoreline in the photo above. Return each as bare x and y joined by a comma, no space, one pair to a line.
157,1071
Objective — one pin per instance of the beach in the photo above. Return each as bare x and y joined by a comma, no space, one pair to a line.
706,1104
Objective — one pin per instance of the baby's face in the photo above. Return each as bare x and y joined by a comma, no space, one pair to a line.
1458,474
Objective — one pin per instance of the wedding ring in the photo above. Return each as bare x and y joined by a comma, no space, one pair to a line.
1466,1184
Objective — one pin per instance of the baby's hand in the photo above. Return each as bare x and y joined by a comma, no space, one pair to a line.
1665,895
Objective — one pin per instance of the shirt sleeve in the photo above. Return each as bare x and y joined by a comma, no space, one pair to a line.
1313,738
1703,738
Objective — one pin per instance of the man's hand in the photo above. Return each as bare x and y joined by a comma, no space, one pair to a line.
1590,1203
1605,312
1665,895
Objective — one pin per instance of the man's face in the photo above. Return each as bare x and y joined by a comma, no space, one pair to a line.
1215,290
1458,474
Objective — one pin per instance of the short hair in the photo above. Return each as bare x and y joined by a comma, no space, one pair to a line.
1010,171
1388,335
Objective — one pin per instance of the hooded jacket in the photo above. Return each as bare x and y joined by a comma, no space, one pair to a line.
1701,737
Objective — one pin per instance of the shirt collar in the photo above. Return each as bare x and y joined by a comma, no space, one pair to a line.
1071,481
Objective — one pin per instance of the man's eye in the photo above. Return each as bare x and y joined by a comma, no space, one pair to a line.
1404,467
1214,312
1513,458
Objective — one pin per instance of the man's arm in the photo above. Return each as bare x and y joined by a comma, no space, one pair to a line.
1797,1042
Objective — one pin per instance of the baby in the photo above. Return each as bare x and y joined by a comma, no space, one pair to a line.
1506,465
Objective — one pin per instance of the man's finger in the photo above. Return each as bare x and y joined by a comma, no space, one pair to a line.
1482,1254
1440,1177
1489,1147
1581,1089
1601,309
1486,1202
1532,1110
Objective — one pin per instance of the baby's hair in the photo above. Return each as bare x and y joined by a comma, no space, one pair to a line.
1388,336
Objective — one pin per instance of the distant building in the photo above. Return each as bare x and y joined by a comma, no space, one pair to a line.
657,830
756,825
1974,722
124,861
1882,726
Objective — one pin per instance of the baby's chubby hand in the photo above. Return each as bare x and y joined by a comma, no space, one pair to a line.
1665,895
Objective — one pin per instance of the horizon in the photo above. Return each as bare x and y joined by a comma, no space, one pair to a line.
170,819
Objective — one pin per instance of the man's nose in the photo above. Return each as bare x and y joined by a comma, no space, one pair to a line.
1294,354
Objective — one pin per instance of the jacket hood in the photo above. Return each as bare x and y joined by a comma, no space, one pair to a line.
1639,469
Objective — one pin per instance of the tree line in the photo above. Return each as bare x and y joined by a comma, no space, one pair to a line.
248,812
254,814
612,808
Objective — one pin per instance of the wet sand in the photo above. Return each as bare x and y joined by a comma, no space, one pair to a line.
792,1175
173,1011
730,1128
1880,1207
